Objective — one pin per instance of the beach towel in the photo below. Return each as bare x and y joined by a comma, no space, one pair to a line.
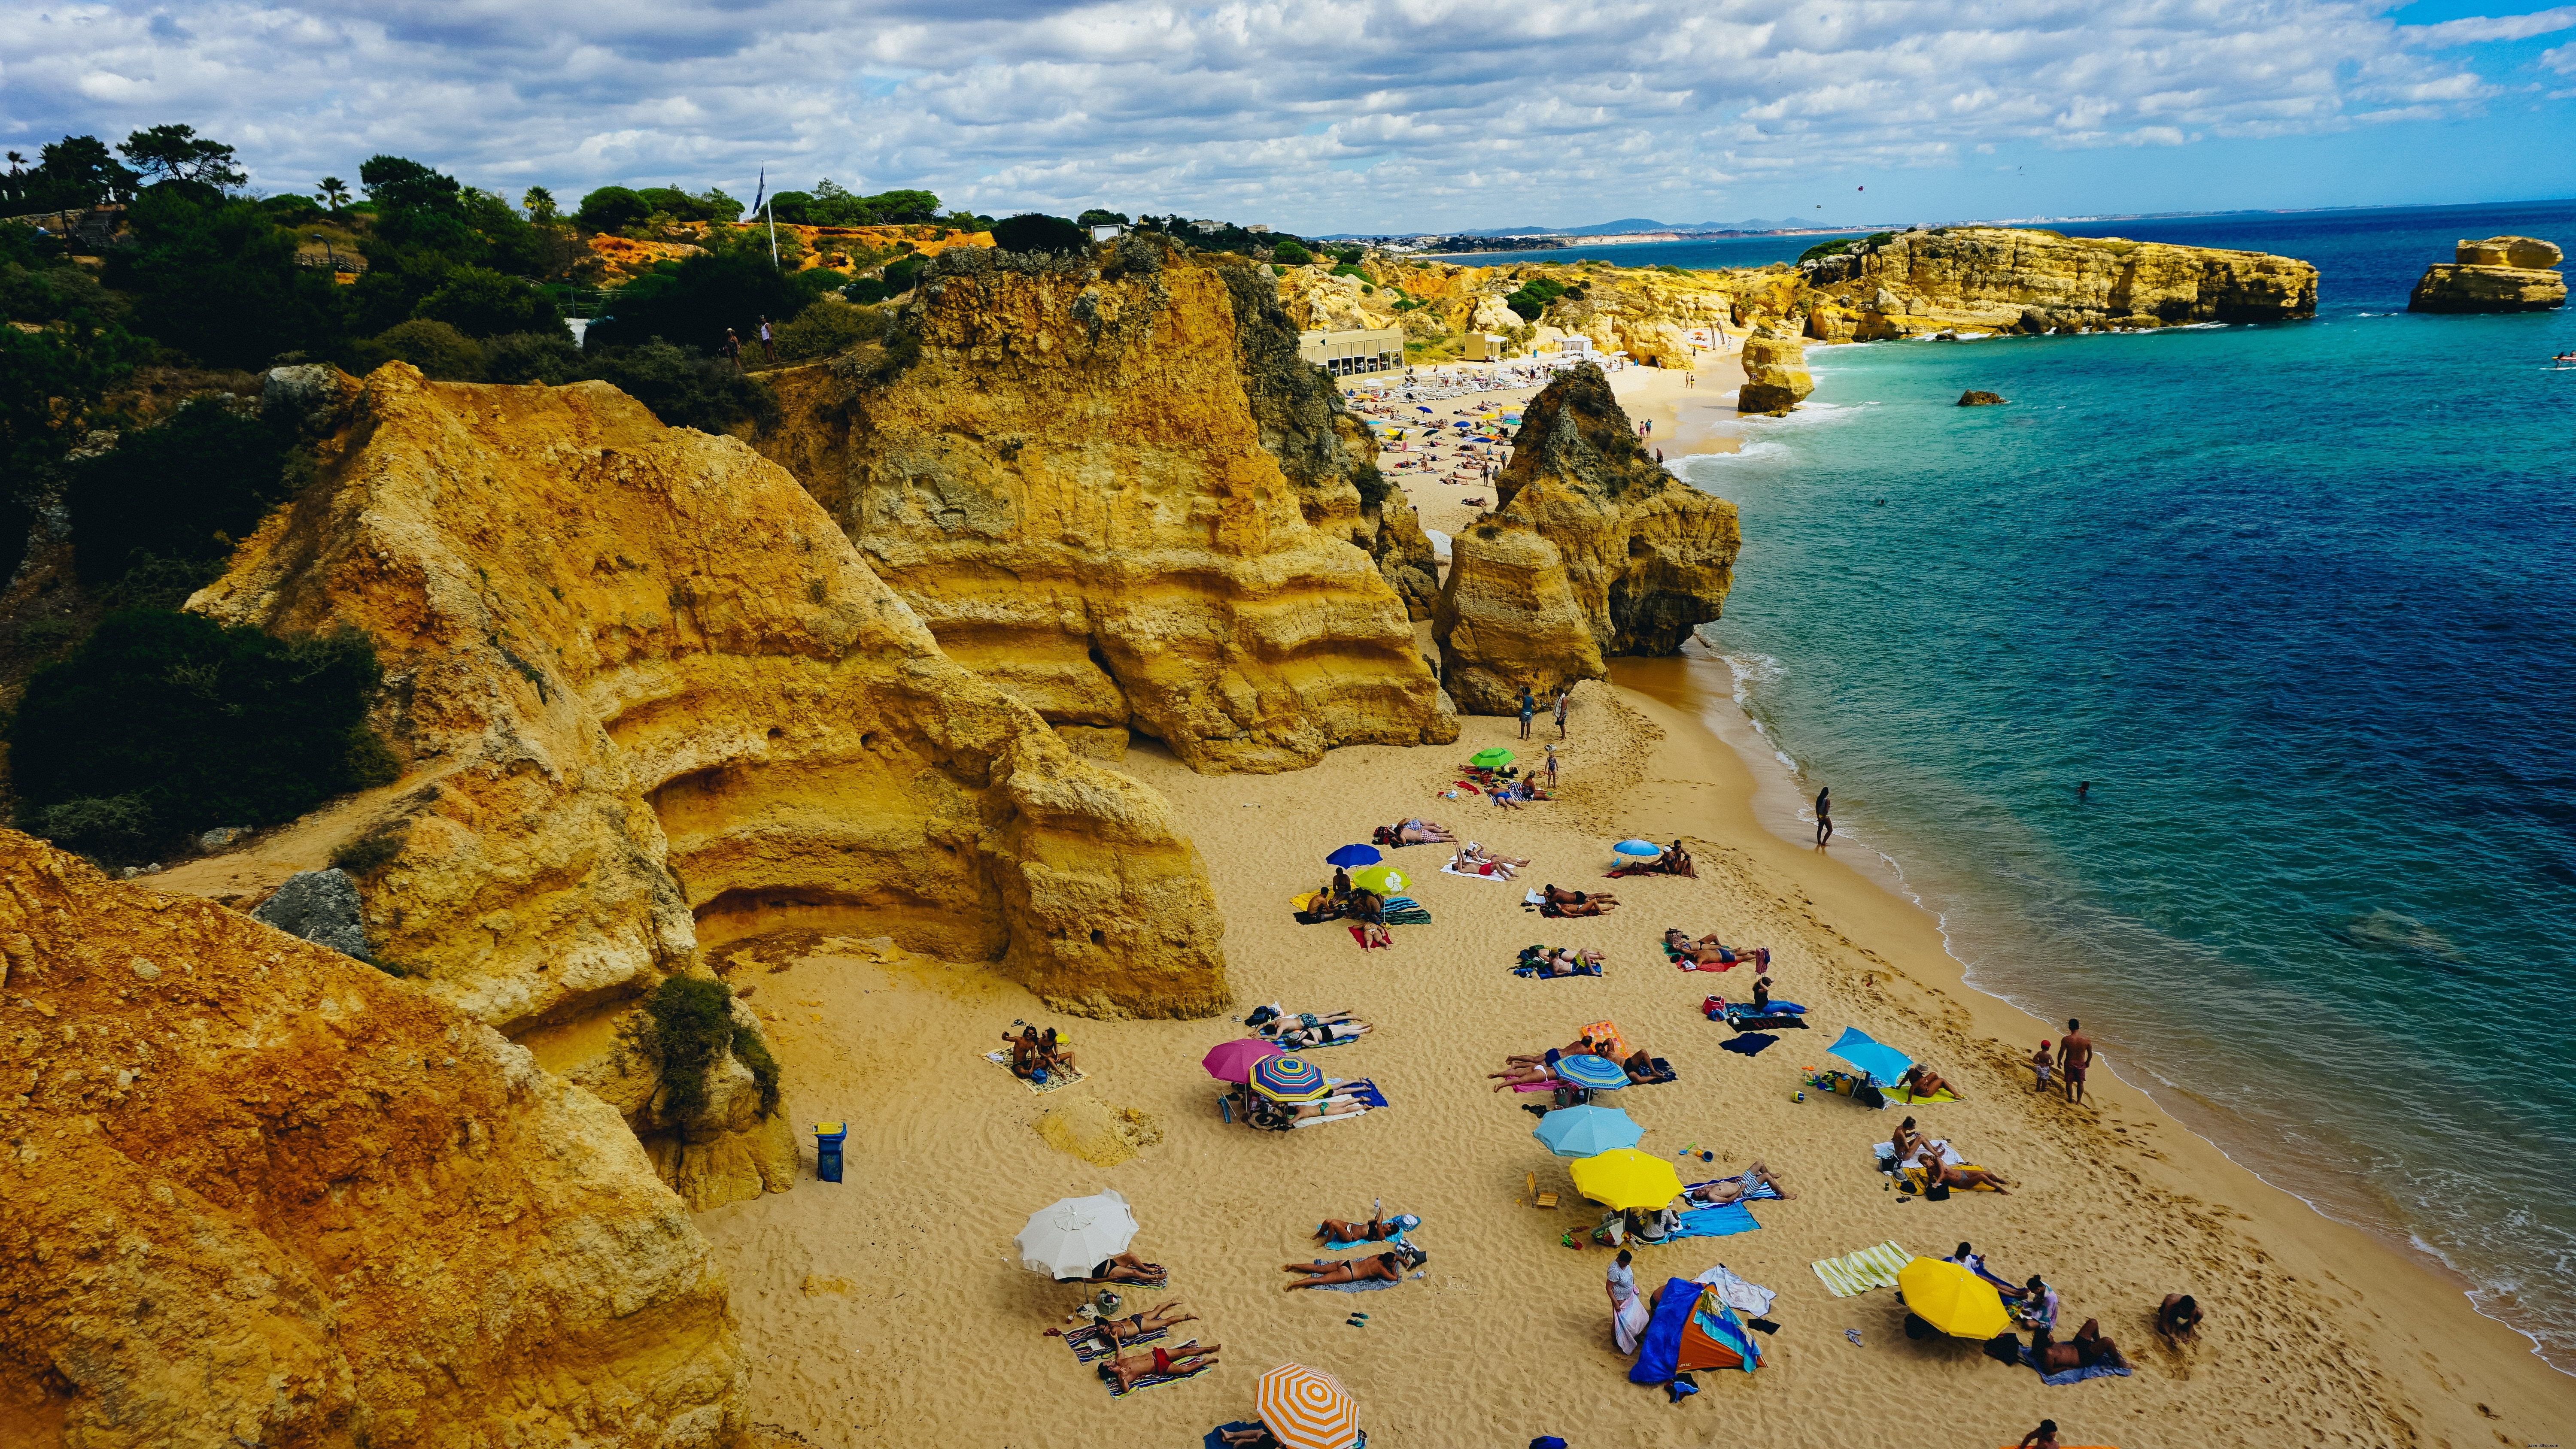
1747,1298
1404,911
1366,1093
1216,1437
1155,1381
1093,1342
1899,1094
1855,1273
2063,1377
1743,1020
1715,1222
1749,1044
1886,1155
1056,1078
1382,1243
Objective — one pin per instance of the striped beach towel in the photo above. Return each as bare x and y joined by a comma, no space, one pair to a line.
1404,911
1860,1272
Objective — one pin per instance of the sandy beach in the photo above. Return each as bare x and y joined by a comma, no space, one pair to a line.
891,1308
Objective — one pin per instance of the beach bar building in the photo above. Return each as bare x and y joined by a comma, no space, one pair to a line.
1374,349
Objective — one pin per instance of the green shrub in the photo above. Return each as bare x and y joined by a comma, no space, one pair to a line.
1292,254
109,828
827,329
436,348
1035,232
185,491
699,300
480,302
684,388
520,357
371,852
611,209
688,1027
1826,249
206,724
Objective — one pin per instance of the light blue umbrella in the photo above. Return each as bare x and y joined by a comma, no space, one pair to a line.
1638,847
1885,1066
1590,1071
1587,1131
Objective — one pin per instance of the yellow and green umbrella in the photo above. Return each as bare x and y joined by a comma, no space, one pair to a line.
1386,880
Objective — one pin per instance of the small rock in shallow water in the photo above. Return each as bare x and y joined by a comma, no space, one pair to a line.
1975,399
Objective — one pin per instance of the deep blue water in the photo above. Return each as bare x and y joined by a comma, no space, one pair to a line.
2300,601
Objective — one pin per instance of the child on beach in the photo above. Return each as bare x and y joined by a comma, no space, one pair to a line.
2041,1062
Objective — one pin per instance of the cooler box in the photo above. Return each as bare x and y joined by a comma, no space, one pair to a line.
828,1137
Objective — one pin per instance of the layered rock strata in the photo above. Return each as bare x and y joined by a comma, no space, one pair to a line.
1108,485
2498,274
1996,279
651,699
1592,551
261,1193
1775,374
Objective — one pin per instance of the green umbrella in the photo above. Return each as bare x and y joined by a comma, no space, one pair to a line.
1492,759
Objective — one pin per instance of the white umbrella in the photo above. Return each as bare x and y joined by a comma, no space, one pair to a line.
1070,1238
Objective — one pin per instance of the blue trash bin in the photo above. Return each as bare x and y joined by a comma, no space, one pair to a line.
828,1137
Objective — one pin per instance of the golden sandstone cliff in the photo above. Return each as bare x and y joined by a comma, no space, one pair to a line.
1775,373
2498,274
261,1193
653,700
1996,279
1106,484
1592,551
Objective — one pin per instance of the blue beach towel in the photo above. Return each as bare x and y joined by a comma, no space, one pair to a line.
1749,1044
1765,1193
1715,1222
2063,1377
1216,1437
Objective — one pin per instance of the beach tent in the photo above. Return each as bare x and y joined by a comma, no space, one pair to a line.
1692,1329
1885,1066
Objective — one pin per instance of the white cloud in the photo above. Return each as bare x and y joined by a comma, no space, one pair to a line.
2561,60
1322,114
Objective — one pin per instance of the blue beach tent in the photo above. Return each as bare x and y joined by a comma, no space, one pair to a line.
1885,1066
1692,1329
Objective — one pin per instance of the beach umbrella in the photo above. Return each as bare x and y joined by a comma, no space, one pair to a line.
1883,1065
1386,880
1072,1237
1231,1061
1492,759
1626,1178
1586,1131
1354,855
1288,1079
1638,848
1952,1299
1420,409
1305,1409
1586,1070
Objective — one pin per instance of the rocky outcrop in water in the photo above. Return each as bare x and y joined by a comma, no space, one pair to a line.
1594,550
2498,274
1108,485
1999,279
652,699
1775,374
260,1193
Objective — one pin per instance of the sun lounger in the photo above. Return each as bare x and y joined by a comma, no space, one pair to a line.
1056,1080
1856,1273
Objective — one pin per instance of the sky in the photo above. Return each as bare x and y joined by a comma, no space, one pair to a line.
1357,116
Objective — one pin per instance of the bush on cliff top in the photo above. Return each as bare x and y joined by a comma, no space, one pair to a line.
183,492
688,1028
194,724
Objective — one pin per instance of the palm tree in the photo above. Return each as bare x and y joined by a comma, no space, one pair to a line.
335,192
540,204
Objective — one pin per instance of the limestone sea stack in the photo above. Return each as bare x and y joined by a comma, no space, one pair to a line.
261,1193
2498,274
2001,279
1593,551
652,699
1775,374
1108,485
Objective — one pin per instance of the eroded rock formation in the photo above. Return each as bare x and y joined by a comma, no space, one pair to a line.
1775,374
1594,550
2498,274
1997,279
652,699
1114,491
261,1193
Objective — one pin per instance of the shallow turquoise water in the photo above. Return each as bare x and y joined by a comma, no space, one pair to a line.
2300,601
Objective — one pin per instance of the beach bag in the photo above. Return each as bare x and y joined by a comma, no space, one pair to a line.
1938,1192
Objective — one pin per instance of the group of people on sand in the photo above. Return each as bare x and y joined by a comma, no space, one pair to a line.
1305,1030
1526,1070
1340,900
1556,900
1415,832
1673,861
1124,1368
1709,951
1919,1150
1562,961
1033,1052
2074,1058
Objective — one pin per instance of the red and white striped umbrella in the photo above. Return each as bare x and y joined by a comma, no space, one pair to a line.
1305,1409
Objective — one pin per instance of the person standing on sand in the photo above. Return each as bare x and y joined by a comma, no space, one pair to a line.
1529,707
1824,815
1564,698
1551,750
2074,1054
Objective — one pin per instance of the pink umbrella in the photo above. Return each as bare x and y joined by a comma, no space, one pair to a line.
1231,1061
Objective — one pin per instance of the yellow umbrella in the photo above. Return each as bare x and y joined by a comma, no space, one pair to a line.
1952,1299
1386,880
1627,1178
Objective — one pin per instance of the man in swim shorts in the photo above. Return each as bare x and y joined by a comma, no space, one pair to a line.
2074,1054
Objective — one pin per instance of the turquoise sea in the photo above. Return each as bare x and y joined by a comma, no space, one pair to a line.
2300,601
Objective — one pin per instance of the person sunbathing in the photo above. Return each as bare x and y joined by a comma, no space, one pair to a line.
1761,996
1169,1314
1905,1142
1566,961
1528,1076
1124,1268
1024,1051
1506,796
1052,1055
1561,896
1579,1046
1259,1436
1478,852
1922,1081
1374,934
1640,1067
1705,950
1597,906
1389,1266
2087,1348
1280,1116
1378,1229
1732,1189
1322,1033
1937,1173
1468,863
1126,1369
1423,832
2178,1317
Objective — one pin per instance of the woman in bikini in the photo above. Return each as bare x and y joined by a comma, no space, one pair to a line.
1423,832
1126,1369
1136,1325
1922,1081
1940,1174
1730,1189
1322,1033
1905,1141
1389,1266
1376,1230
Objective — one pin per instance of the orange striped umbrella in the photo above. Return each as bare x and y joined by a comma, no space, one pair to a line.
1305,1409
